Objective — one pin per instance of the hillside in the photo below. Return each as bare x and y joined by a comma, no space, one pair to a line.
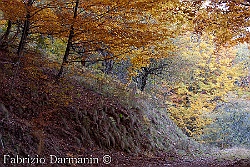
42,116
124,83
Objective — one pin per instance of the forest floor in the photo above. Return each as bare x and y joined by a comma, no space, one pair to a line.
34,123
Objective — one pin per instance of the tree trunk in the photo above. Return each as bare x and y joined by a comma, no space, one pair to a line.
66,54
141,78
69,44
144,79
24,37
25,31
7,33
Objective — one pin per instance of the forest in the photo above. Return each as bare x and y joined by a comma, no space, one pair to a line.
125,83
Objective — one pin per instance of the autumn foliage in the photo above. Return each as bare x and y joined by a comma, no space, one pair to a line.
141,31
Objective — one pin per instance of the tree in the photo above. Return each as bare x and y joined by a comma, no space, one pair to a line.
119,28
70,38
154,68
29,15
26,27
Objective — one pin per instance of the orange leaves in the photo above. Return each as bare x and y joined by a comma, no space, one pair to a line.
124,25
228,21
121,26
46,22
13,9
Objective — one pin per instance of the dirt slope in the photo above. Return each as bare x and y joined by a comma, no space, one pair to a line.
43,118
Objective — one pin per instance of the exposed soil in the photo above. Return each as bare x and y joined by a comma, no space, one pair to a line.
39,120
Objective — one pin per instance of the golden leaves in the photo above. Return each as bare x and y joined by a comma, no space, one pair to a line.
214,74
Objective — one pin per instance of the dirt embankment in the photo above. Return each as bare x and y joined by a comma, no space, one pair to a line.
42,118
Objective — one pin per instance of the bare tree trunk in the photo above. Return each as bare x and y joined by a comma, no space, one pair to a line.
5,37
69,44
25,31
23,38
